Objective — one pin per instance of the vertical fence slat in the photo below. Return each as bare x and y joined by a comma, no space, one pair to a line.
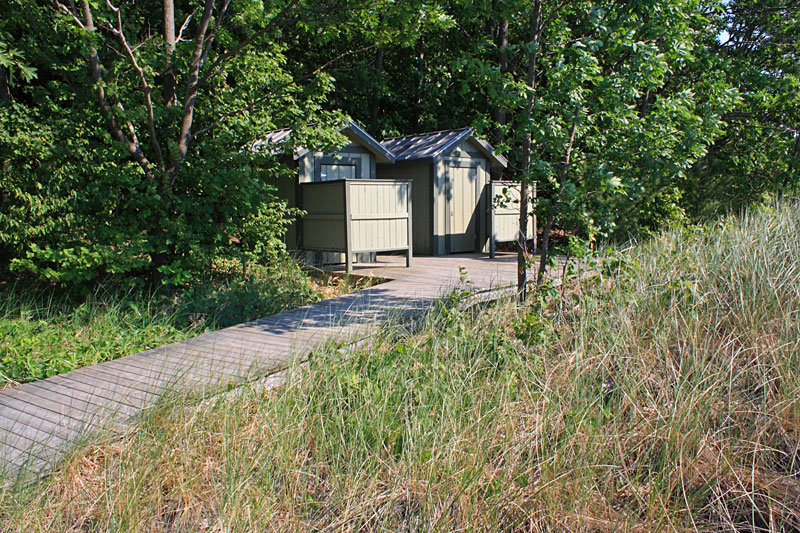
348,228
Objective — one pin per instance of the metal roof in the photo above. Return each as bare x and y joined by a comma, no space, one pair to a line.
425,145
437,143
274,140
406,148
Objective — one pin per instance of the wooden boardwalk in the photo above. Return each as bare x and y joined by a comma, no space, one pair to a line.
40,421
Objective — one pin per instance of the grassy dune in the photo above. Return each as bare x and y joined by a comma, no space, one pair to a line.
663,397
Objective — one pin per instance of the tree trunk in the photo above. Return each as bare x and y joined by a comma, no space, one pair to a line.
522,240
645,106
169,96
490,21
498,112
490,37
4,94
169,25
562,178
375,103
192,89
422,75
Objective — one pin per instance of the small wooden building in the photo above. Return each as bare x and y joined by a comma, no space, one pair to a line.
450,172
349,214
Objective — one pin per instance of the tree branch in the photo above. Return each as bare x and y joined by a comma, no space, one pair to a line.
218,64
146,87
71,13
214,31
179,38
132,144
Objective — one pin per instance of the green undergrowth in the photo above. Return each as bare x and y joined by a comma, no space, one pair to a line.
661,395
45,330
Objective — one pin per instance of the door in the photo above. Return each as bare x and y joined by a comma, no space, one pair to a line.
462,208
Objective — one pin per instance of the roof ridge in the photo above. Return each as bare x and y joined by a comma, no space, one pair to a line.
277,137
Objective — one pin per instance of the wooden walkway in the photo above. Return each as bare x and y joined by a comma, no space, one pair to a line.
40,421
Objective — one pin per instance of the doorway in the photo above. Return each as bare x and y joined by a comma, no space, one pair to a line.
462,207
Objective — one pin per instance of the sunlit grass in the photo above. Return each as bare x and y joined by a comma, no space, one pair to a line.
664,397
45,330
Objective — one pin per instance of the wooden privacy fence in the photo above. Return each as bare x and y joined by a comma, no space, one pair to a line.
357,216
504,214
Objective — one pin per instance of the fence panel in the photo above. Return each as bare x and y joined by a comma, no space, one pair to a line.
357,216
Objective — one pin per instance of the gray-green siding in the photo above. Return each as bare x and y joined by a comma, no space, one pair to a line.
421,191
433,201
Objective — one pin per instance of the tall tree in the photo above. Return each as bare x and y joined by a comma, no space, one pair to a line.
534,45
155,105
590,104
754,47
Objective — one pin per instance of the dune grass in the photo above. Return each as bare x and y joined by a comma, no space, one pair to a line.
664,397
45,330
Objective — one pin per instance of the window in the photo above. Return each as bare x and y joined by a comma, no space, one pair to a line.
328,168
329,172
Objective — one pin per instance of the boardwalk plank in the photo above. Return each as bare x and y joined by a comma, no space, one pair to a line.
27,430
191,367
42,411
63,401
115,385
45,408
92,405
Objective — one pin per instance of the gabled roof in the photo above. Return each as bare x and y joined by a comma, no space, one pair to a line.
273,141
354,132
438,143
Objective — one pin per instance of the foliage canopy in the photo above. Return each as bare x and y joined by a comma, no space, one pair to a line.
123,126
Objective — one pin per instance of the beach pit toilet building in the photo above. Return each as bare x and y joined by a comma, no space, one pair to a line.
450,174
350,216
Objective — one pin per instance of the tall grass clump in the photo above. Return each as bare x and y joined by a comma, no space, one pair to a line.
665,396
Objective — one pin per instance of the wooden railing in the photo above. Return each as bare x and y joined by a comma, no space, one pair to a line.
504,215
357,216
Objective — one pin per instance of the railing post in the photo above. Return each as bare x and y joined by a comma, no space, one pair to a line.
348,221
300,238
410,252
491,220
